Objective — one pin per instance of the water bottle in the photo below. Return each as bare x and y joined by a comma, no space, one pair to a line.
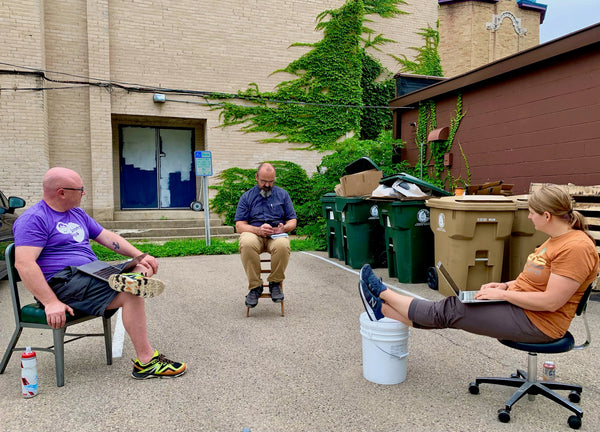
29,376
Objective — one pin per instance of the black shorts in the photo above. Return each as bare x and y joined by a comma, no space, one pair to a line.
83,292
501,320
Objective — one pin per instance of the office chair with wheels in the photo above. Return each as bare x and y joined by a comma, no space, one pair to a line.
34,316
527,381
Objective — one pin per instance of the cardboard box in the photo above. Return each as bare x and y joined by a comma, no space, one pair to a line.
359,184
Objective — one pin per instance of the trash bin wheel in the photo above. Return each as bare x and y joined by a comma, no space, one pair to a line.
432,278
196,206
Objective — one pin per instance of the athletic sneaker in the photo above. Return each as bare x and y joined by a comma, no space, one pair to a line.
136,284
371,303
158,367
253,295
275,290
374,284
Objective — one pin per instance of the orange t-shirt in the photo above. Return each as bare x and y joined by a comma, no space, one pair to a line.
572,255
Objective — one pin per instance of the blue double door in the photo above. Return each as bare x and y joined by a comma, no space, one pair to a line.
157,167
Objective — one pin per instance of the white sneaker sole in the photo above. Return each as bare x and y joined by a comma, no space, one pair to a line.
143,287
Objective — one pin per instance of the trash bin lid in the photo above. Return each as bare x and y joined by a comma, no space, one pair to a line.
360,165
522,201
473,203
436,191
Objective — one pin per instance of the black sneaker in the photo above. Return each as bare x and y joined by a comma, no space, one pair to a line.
275,290
253,295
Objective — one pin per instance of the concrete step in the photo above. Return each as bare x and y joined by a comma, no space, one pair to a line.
159,224
144,232
163,225
163,214
165,239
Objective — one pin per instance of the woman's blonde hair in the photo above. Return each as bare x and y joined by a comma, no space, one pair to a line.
556,200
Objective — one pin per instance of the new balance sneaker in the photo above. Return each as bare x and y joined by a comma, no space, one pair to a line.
158,367
136,284
374,284
275,290
253,295
371,303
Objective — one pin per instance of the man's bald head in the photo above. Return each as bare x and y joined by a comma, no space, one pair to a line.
265,178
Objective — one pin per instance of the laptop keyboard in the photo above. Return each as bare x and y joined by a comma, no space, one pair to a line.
468,295
106,272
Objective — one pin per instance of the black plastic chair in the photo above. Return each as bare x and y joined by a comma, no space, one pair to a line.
33,316
527,381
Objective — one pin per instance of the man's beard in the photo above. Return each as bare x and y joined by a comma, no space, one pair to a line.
265,192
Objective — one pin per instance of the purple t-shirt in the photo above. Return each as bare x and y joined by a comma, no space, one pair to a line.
64,236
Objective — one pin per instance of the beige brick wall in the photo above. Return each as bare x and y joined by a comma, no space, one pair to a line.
466,43
189,44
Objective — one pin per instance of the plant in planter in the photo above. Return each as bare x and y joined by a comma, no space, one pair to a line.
459,185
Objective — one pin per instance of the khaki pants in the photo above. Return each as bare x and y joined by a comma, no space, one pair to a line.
251,246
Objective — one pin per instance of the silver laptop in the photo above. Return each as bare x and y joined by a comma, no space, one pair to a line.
463,296
103,270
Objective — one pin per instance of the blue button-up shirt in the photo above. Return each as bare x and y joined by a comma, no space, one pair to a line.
256,210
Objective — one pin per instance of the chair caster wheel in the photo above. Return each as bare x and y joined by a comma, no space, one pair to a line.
574,422
474,388
574,397
504,415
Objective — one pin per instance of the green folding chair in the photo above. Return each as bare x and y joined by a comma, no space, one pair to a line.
34,316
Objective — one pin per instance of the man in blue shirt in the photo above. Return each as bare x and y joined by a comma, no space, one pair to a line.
263,214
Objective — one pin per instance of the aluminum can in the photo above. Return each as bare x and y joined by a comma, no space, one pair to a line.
549,371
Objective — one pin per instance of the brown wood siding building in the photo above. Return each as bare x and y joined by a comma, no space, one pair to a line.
530,117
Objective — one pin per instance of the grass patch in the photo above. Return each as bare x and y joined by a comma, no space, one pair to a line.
190,247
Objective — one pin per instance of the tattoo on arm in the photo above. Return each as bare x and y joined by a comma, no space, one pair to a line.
116,245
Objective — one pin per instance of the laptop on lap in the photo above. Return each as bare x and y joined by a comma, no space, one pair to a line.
463,296
103,270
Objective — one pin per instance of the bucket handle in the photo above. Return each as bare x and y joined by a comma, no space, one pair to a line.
399,357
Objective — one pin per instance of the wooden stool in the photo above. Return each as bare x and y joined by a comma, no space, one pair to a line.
266,285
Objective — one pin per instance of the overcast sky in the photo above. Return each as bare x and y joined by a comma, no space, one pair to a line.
567,16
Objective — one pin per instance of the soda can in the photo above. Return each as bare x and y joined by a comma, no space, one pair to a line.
549,371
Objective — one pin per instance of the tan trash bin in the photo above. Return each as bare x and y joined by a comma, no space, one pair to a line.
523,239
470,232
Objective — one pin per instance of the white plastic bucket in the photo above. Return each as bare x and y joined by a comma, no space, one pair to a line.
384,349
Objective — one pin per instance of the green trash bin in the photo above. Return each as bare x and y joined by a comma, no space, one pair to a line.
362,234
335,247
408,237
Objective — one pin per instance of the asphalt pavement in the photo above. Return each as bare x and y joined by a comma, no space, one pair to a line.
300,372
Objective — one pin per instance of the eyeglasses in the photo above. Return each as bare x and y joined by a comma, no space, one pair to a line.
81,189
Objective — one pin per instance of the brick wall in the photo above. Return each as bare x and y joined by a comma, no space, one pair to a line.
188,44
466,43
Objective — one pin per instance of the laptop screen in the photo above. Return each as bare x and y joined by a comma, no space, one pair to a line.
448,278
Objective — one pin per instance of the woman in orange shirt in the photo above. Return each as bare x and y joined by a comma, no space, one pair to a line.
539,305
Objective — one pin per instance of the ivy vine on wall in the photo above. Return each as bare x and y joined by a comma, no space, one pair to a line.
332,83
426,122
